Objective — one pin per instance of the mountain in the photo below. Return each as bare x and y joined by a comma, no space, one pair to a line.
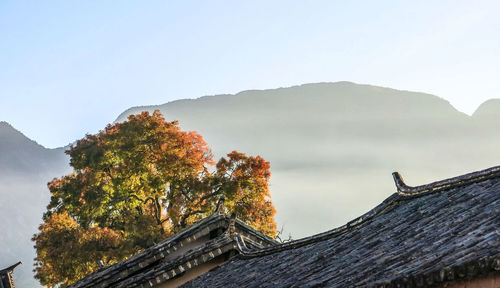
25,169
332,148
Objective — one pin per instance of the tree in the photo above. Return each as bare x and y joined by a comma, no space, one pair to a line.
135,183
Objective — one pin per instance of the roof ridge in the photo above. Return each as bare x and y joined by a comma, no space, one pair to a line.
381,208
469,178
175,266
11,267
146,253
254,231
404,193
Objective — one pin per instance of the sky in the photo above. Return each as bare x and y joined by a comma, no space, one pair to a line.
70,67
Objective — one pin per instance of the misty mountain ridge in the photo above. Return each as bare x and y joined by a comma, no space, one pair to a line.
20,154
328,111
332,148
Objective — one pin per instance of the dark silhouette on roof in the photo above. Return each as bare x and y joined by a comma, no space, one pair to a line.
6,276
434,234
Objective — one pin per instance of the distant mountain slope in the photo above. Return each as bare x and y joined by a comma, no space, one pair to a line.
25,169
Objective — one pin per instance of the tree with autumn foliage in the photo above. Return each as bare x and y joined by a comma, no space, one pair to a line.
136,183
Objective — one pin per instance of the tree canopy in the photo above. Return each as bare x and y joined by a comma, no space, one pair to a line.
135,183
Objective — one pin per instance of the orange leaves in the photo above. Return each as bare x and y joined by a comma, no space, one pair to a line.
164,146
245,184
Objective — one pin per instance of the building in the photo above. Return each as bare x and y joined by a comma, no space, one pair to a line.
6,276
443,234
180,258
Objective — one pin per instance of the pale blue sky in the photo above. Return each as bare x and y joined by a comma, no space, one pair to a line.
71,67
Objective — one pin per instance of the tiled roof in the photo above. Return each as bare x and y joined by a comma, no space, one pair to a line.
136,270
420,236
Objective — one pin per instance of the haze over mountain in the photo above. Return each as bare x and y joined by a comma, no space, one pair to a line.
332,148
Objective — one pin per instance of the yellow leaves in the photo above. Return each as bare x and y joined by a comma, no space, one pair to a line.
67,252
